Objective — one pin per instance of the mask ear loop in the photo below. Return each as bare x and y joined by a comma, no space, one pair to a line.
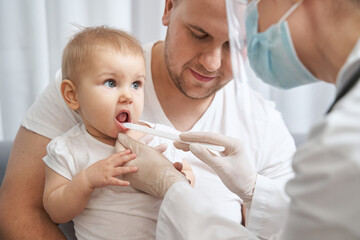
287,14
291,10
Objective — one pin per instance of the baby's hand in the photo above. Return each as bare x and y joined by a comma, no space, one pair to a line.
104,172
186,169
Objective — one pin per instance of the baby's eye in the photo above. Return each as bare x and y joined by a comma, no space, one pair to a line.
110,83
136,85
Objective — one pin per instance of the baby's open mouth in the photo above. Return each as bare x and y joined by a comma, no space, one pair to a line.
123,117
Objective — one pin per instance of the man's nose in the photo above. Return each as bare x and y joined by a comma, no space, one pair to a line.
211,59
125,96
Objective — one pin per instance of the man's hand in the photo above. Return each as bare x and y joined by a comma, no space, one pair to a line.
185,168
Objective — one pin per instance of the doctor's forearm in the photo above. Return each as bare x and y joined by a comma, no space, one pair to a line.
184,215
268,208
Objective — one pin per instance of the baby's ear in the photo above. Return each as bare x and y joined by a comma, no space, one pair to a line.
69,94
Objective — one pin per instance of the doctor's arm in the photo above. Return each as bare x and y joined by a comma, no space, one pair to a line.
183,214
186,215
265,198
21,209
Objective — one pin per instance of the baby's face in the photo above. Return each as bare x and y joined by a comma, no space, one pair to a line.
111,91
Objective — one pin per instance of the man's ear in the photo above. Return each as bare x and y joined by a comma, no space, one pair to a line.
169,6
69,94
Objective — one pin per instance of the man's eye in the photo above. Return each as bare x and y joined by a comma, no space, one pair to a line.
110,83
136,85
198,36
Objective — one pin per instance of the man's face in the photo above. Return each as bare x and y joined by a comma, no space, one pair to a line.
197,51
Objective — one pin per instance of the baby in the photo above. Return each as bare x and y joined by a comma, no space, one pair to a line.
103,73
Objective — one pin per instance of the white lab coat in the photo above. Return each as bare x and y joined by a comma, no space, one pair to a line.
325,193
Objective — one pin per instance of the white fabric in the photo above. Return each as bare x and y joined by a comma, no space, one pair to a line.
185,215
112,212
270,146
324,194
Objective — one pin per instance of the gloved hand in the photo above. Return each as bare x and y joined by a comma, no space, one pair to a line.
146,140
232,165
156,174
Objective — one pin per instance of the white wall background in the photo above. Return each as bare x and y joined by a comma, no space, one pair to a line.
34,33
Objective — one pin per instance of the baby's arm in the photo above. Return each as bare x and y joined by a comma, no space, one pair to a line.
64,199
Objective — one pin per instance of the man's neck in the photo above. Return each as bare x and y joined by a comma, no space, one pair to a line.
182,111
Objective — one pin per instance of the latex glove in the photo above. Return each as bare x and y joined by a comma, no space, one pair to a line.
156,174
146,140
232,165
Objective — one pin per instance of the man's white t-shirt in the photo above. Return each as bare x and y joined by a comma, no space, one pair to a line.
113,212
269,145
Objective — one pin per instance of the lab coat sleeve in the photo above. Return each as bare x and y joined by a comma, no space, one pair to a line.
269,206
185,215
271,202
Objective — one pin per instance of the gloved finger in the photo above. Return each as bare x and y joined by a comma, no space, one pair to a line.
130,143
146,139
182,146
161,148
205,155
201,137
119,147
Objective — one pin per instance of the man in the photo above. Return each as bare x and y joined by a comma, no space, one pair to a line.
188,87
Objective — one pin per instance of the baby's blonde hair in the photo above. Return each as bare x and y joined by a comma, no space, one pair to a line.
83,43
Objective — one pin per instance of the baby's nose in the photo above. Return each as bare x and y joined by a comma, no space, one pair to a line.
125,96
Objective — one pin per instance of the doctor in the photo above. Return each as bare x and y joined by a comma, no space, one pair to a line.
289,43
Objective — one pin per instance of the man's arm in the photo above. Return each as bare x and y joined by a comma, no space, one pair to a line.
21,210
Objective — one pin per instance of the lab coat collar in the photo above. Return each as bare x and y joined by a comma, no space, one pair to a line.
349,68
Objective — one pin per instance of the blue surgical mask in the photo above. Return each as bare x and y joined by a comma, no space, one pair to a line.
272,54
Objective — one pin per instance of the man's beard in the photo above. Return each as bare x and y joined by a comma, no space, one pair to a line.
180,83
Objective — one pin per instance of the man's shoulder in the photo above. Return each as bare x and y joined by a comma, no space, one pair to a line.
147,47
